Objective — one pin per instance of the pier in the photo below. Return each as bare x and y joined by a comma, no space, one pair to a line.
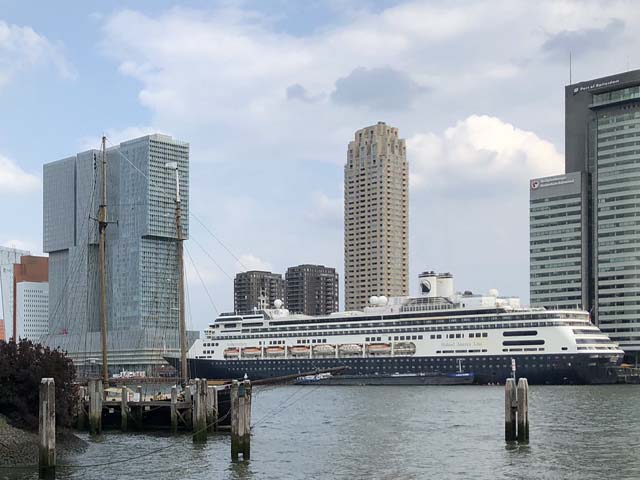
199,408
178,411
628,375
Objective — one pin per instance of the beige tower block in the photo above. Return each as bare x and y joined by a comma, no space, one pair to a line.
376,216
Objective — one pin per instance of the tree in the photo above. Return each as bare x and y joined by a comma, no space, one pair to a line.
22,366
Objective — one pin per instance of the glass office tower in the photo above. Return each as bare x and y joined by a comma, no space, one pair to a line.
558,236
602,144
141,251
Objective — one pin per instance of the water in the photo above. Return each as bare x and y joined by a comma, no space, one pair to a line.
300,432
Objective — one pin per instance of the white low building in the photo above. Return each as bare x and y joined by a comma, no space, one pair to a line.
32,309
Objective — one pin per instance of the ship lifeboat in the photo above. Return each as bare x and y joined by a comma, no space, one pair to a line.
404,348
326,350
275,351
299,350
350,349
251,352
231,352
379,348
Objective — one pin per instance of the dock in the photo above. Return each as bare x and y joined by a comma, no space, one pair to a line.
201,409
628,375
131,410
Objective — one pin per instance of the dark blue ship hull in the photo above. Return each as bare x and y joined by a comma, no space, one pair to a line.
538,369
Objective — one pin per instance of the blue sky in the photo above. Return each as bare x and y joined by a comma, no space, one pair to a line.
268,94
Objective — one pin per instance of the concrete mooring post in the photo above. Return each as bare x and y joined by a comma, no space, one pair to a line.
124,409
47,428
516,411
174,409
200,411
96,395
510,407
212,409
523,410
240,420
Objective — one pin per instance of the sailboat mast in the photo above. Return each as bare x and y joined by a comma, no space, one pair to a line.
102,225
183,326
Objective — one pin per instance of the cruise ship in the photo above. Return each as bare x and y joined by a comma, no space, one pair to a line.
439,331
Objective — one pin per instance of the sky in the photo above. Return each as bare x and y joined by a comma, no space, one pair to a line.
269,93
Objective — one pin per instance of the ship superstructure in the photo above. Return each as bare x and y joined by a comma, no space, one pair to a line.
437,331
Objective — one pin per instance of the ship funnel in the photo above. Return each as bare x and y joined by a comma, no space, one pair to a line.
428,284
445,285
434,284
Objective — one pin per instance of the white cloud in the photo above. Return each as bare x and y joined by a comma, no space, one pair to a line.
15,180
255,104
22,48
249,261
563,15
230,73
480,150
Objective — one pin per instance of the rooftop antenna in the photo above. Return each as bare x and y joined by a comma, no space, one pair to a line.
570,67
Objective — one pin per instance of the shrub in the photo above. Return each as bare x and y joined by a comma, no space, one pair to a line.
22,366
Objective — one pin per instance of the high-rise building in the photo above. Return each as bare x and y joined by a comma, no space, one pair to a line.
256,290
31,297
141,251
602,134
558,241
376,216
312,289
2,331
8,257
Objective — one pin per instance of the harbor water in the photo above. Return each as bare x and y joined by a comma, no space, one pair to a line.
581,432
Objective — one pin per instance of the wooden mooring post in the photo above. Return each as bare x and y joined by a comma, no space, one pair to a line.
47,429
212,409
139,416
96,396
174,409
200,411
240,420
188,415
81,412
516,411
124,408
